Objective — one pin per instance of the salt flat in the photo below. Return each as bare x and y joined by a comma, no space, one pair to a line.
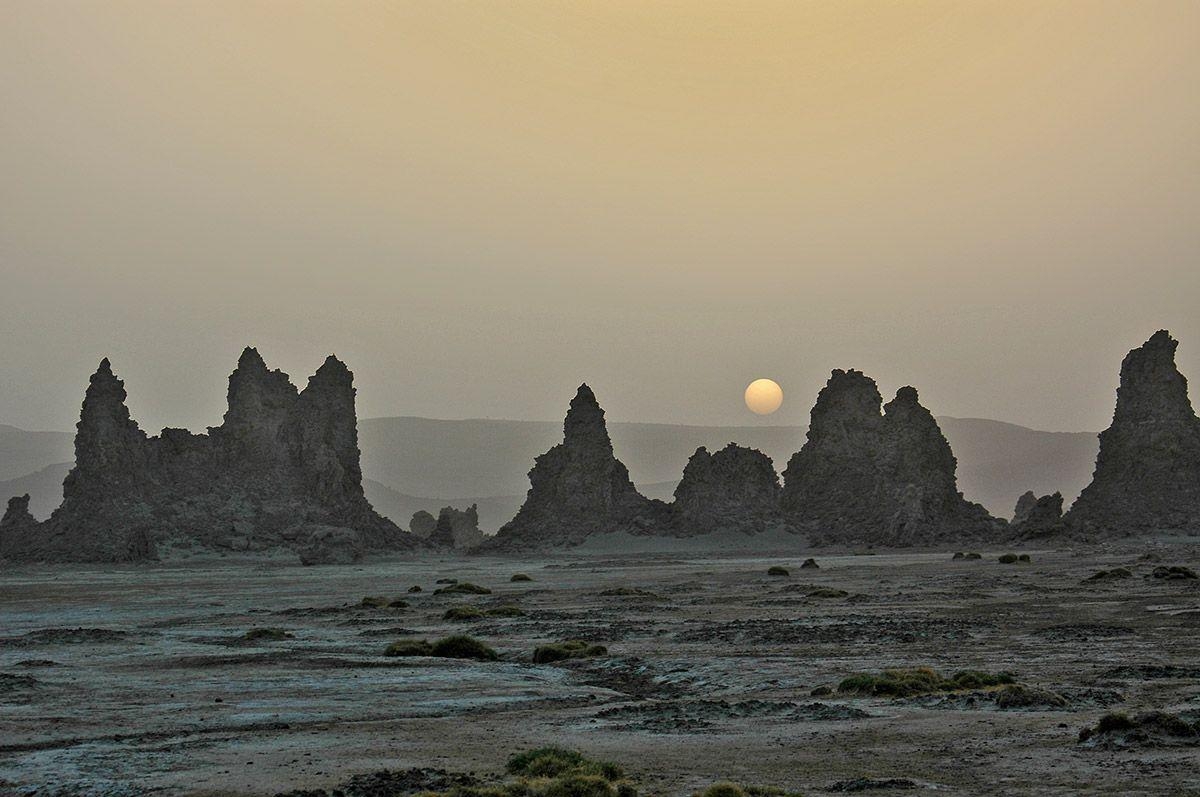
710,668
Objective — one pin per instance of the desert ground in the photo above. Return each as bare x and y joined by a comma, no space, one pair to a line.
128,680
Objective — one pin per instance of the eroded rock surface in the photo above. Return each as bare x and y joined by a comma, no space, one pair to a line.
1147,475
734,489
281,471
457,528
885,478
1038,518
578,488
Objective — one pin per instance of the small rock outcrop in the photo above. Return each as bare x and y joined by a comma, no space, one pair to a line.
578,488
735,489
882,478
1147,476
282,471
1037,517
457,528
422,524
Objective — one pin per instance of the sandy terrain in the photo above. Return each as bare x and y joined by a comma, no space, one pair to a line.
709,674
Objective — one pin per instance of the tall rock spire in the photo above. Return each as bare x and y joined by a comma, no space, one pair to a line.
578,487
1147,474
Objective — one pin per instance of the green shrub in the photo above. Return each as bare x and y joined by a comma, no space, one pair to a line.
580,786
973,555
724,789
463,647
266,635
409,647
520,577
415,588
776,570
554,762
1008,559
462,614
1023,558
464,588
397,603
977,679
569,649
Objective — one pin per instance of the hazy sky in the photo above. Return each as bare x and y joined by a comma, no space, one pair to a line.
479,205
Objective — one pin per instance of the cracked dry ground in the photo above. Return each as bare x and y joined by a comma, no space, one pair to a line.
121,681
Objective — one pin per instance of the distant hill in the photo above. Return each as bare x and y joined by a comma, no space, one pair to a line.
419,463
22,452
44,487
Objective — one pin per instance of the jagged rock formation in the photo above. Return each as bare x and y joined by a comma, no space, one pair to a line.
578,488
1037,517
883,479
735,489
457,528
1147,476
281,471
422,524
1025,505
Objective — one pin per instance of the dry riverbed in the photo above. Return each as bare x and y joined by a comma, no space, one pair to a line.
119,681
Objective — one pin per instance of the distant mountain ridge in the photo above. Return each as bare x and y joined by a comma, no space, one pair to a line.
415,463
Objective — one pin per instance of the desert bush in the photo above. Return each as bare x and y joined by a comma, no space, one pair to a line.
415,588
827,592
520,577
463,647
776,570
555,762
1008,559
460,614
374,602
409,647
569,649
810,564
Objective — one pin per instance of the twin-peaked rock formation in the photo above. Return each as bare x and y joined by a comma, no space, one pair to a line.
735,489
1147,475
883,479
282,470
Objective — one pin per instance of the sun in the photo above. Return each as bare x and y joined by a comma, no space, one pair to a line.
763,396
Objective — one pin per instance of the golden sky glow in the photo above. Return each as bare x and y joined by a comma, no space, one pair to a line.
479,205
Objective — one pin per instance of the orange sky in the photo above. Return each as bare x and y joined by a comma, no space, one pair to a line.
479,205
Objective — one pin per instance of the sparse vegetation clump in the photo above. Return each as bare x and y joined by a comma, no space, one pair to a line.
451,647
463,647
520,577
912,681
557,762
415,588
1151,729
776,570
1012,558
569,649
461,614
463,588
380,602
971,555
810,564
266,635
